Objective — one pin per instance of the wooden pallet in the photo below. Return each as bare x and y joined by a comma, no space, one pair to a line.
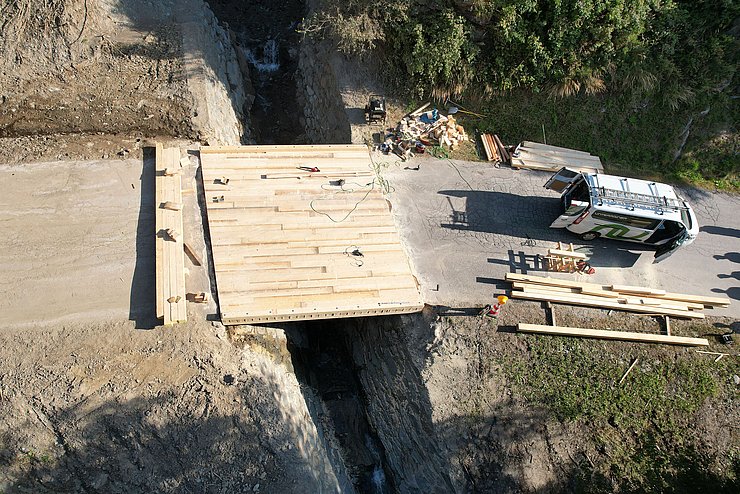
563,258
282,238
170,255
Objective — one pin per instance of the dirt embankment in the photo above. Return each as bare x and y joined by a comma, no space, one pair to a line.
107,408
92,79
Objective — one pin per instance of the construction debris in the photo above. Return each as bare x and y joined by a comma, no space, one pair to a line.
194,257
420,129
632,366
172,206
172,234
536,156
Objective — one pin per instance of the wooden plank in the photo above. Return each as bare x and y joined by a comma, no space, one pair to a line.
170,274
550,147
159,227
176,249
679,297
598,293
611,335
697,299
566,253
281,148
505,156
557,165
194,257
518,163
523,285
489,153
320,314
637,289
308,287
542,280
603,303
492,147
548,157
367,299
667,304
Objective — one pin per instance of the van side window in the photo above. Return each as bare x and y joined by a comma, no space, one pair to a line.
633,221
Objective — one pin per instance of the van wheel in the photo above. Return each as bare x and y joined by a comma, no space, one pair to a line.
588,236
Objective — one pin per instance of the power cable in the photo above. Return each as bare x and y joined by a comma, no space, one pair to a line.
458,172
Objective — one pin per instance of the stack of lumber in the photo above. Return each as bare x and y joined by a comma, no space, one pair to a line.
617,297
292,244
536,156
494,148
170,256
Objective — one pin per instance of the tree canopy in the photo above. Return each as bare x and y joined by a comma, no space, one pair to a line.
445,47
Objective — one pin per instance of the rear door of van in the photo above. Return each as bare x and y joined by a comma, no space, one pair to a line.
562,180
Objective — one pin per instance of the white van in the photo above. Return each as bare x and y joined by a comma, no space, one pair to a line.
597,205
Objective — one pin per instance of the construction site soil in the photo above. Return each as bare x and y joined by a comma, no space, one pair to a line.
96,401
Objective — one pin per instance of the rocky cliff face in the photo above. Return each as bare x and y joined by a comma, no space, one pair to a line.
324,118
398,403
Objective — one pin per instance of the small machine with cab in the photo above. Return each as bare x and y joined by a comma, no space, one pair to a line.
597,205
375,110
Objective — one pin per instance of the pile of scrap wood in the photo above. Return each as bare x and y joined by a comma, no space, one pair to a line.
616,297
495,149
536,156
422,128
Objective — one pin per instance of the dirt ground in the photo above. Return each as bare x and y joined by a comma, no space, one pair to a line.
104,407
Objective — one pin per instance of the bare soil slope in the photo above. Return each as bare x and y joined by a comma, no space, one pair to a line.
83,79
107,408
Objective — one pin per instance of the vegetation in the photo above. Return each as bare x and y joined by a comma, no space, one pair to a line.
645,426
669,64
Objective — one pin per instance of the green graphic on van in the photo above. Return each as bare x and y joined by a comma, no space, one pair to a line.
617,231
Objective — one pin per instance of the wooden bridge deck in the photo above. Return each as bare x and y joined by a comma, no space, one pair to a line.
291,244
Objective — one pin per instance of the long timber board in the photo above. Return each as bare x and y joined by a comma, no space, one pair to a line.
170,255
290,244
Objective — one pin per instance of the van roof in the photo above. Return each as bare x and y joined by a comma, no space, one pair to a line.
658,202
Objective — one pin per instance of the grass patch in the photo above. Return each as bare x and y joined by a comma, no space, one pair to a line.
633,137
644,427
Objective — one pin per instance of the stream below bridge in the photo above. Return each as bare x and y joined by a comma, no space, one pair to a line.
265,33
